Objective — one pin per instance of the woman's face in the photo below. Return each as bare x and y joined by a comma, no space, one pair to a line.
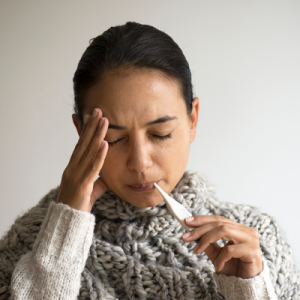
149,133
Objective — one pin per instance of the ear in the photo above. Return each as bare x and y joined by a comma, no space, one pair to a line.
194,117
76,123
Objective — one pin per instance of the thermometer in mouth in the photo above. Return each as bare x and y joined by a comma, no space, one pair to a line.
176,209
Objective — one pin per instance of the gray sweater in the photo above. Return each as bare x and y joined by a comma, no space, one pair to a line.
119,251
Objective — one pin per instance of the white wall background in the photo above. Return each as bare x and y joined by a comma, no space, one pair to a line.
245,60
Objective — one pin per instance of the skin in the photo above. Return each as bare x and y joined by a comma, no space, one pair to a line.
137,131
132,100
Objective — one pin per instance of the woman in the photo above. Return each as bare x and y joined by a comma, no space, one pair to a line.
112,237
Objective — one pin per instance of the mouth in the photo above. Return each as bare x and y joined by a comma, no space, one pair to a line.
143,187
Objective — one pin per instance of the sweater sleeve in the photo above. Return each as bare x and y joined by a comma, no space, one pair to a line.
257,288
283,273
53,268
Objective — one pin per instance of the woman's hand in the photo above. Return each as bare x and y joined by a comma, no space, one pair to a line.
240,257
78,187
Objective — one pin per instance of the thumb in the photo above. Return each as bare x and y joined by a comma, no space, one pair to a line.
99,189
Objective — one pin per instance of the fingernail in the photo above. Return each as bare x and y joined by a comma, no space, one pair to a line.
196,248
189,219
95,112
216,266
185,235
101,122
86,118
101,146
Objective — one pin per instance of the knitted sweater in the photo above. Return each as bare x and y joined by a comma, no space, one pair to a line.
119,251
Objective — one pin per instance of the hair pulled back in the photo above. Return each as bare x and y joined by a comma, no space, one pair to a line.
131,45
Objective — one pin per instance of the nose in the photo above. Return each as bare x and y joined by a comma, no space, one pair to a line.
139,156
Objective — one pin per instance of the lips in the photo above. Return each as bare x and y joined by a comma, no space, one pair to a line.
143,187
143,184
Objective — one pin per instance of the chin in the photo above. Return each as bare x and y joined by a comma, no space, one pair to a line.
144,202
144,205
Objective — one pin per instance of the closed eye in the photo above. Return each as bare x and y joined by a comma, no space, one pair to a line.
110,144
160,137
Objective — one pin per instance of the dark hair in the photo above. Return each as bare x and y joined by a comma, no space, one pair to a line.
131,45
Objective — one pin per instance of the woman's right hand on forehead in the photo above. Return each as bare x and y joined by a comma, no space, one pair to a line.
78,187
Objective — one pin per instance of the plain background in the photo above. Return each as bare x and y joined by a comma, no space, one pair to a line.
245,62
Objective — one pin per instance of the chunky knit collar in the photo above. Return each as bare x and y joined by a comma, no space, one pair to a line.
188,192
138,253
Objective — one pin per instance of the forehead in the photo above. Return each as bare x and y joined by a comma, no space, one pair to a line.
134,93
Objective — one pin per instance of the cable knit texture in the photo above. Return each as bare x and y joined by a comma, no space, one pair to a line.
134,253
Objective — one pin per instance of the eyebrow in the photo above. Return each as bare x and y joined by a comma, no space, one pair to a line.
157,121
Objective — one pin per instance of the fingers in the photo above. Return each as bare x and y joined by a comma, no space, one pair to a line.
85,121
93,148
90,127
197,221
229,252
99,188
241,255
95,167
212,232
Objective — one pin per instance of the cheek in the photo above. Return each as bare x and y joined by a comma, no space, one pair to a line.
112,163
182,149
174,152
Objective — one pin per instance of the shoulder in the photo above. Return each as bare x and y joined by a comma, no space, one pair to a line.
33,218
197,183
20,237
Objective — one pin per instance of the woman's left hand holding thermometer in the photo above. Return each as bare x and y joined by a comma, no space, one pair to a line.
240,257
